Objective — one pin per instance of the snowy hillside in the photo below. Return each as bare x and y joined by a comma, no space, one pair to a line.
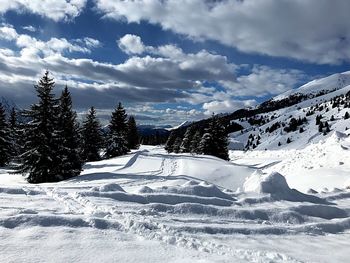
327,84
177,208
296,126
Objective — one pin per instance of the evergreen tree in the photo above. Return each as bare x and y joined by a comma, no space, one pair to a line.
70,163
195,142
217,140
117,143
320,127
346,116
91,137
14,132
5,140
187,140
177,144
206,144
133,136
318,119
39,160
170,142
289,140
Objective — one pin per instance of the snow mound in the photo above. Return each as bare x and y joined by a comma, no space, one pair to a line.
321,211
190,182
340,135
108,188
276,185
146,189
161,198
203,189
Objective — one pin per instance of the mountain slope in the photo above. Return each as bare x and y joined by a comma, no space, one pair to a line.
294,127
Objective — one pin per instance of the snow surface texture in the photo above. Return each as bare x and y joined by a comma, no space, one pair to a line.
151,206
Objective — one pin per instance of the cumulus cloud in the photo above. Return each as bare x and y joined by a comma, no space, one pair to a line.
294,29
160,74
227,106
131,44
56,10
263,80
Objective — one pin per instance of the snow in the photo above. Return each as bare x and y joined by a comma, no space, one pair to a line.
265,205
151,206
335,81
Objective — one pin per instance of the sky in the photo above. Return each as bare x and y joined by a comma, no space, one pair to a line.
169,61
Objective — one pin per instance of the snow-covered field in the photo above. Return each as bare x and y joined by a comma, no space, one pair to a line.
150,206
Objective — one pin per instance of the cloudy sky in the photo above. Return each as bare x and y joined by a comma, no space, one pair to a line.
170,60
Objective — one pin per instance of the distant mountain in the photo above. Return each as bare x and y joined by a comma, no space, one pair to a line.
147,130
8,105
298,117
182,125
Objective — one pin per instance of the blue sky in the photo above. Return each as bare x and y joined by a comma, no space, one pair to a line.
171,60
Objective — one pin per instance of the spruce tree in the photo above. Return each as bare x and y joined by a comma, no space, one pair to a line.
91,137
185,146
69,157
117,143
170,142
5,140
206,144
177,145
39,160
133,136
14,132
195,142
217,141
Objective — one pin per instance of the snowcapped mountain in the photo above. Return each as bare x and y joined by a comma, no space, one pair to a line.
327,84
298,117
182,125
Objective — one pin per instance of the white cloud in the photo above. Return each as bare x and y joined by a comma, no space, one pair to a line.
263,80
131,44
7,32
29,28
227,106
294,29
160,74
34,47
56,10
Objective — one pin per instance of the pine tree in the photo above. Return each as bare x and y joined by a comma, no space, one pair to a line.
177,144
91,137
320,127
133,136
206,144
69,157
14,132
346,116
5,140
186,141
39,160
195,142
117,143
170,142
217,140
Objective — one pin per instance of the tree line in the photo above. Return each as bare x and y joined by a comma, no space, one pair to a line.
212,140
49,145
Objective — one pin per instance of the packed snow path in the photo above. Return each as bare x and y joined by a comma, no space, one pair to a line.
155,207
